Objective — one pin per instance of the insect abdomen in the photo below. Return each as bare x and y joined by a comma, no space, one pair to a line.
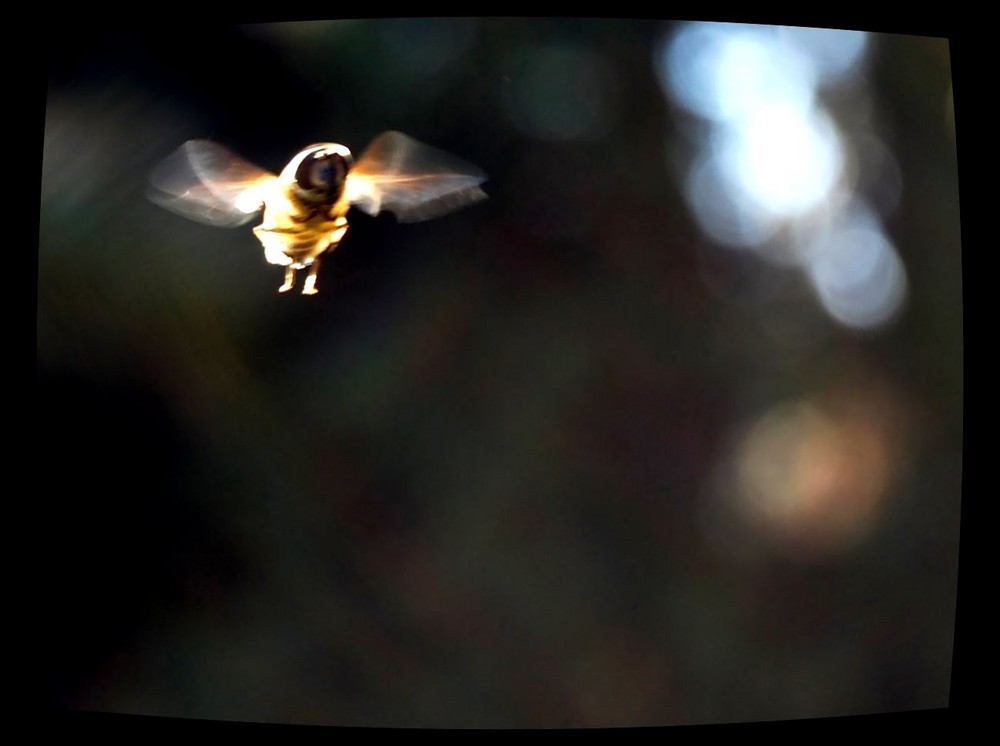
296,233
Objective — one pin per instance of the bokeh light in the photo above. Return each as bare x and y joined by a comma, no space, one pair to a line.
772,170
809,478
718,202
786,160
858,276
725,71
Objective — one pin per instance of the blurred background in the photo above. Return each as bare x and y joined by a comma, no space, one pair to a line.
667,431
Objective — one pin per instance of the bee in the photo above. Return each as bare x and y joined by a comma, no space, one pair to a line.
305,206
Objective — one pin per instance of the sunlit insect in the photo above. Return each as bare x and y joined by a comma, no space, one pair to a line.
305,206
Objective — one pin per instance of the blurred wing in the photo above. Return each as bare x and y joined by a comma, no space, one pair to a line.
412,180
206,182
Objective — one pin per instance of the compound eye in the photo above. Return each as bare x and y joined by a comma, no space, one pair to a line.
322,173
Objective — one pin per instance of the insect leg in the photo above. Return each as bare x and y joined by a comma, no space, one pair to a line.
289,279
309,287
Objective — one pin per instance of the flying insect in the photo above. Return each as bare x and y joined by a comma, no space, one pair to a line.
305,206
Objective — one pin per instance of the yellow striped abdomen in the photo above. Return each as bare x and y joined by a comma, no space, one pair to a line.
296,233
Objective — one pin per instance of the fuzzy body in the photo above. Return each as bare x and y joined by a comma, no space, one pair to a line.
294,232
305,210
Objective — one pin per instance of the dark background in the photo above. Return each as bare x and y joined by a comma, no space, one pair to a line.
490,475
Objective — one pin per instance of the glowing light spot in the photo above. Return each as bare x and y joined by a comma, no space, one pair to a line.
813,476
722,208
724,71
858,277
773,154
771,170
786,160
561,94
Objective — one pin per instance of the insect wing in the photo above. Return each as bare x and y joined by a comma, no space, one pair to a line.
206,182
412,180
